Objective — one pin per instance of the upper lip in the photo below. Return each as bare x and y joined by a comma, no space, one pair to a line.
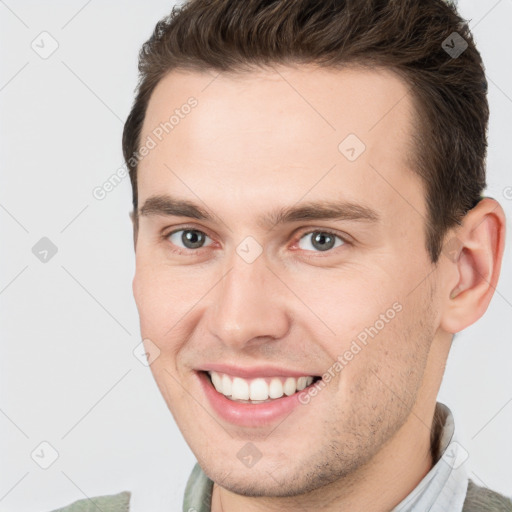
253,371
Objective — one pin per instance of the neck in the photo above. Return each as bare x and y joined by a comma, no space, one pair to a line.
379,486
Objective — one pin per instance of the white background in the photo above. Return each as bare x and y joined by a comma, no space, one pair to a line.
69,326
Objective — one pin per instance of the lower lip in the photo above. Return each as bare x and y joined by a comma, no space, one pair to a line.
247,415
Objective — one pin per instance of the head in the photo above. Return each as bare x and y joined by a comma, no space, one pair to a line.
307,191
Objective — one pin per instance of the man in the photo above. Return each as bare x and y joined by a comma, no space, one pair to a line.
310,234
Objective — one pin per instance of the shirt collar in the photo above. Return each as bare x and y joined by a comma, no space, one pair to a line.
444,486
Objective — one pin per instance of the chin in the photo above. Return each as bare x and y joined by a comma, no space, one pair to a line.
269,482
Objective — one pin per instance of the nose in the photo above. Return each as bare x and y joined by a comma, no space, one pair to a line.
249,306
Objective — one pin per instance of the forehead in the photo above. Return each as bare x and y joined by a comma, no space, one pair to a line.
279,135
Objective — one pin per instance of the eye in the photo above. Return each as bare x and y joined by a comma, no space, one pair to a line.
188,238
320,241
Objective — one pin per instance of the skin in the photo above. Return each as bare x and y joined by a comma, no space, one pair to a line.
255,144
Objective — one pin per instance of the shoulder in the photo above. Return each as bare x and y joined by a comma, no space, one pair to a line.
198,492
112,503
481,499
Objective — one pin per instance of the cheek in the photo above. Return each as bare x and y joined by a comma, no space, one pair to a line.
157,303
349,300
147,293
170,302
161,293
395,353
373,326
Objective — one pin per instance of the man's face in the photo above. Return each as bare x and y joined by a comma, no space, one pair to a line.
269,284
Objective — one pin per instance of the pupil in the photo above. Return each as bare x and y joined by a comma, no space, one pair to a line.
192,239
323,241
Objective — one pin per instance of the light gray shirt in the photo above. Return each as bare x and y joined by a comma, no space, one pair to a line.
444,486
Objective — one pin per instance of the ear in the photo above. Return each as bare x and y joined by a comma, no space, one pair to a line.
474,252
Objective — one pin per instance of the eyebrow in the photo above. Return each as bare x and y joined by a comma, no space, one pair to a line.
165,205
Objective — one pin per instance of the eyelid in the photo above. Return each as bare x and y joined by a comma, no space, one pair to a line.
184,227
167,232
307,231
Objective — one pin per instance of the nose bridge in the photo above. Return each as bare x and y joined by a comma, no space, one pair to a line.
248,304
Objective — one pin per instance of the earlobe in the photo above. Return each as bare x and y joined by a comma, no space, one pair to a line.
476,263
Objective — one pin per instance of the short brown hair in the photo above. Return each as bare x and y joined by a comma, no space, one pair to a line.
410,37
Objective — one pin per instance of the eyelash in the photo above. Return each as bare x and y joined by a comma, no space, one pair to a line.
343,238
321,254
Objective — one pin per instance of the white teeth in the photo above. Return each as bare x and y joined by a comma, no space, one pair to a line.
275,390
227,385
290,386
240,389
258,390
301,383
216,379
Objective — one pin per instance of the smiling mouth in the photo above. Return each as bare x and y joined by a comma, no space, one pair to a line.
259,390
